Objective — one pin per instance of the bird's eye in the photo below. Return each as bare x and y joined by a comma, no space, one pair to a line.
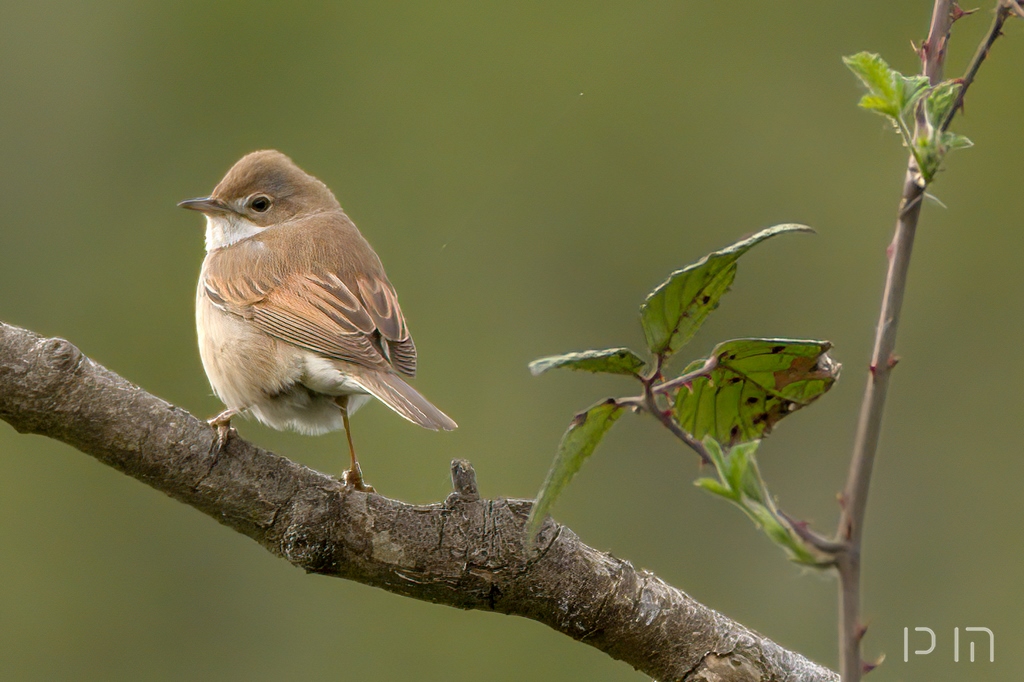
259,203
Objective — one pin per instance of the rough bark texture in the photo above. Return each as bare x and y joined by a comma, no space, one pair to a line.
465,552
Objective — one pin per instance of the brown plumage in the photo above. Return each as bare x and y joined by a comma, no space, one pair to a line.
297,320
315,283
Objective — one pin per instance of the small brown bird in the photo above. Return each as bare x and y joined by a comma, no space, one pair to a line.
298,324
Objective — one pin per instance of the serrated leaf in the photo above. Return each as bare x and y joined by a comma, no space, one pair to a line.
585,431
874,103
911,89
890,93
876,76
940,101
610,360
677,308
751,386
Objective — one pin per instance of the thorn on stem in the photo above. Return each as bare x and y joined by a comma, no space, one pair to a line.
873,369
861,631
893,361
868,666
956,12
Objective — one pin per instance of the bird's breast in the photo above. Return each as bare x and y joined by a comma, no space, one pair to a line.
244,364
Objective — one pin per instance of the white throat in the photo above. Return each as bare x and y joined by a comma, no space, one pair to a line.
225,230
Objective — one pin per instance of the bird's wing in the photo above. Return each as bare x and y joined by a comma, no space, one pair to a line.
357,321
320,314
381,302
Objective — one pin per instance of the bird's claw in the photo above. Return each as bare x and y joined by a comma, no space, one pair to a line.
353,478
222,424
225,432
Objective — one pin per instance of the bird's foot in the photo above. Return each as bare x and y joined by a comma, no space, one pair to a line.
353,478
222,424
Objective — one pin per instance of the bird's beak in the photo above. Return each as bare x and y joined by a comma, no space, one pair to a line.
206,205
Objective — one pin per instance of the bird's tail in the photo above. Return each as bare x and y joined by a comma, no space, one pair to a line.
404,399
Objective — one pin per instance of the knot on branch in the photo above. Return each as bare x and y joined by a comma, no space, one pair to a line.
731,667
61,354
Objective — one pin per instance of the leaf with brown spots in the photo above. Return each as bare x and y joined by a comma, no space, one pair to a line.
750,385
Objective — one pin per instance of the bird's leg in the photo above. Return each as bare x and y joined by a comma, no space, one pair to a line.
222,423
353,477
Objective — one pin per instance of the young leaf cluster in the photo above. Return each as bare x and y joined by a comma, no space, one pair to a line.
740,482
720,406
918,111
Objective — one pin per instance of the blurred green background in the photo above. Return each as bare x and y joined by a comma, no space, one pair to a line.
527,172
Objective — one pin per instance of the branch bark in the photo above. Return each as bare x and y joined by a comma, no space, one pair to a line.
465,552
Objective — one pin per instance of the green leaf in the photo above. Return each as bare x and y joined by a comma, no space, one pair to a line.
740,482
585,431
675,310
750,385
940,101
890,93
953,141
716,488
875,103
723,486
897,96
932,142
876,76
611,360
912,89
778,530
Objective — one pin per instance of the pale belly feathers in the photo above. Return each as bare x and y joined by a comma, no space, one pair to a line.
283,386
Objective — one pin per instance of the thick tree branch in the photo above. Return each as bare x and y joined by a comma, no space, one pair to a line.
465,552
